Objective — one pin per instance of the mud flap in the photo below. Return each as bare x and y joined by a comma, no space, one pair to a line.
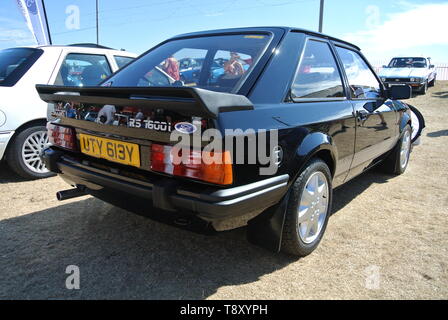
266,229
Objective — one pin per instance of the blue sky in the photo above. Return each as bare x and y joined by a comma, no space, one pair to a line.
382,28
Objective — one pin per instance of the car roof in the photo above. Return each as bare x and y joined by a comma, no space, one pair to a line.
410,57
267,28
84,48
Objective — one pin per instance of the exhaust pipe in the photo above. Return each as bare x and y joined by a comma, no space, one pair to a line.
182,221
70,194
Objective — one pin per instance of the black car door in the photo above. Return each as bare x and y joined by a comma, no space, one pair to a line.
376,119
306,77
322,102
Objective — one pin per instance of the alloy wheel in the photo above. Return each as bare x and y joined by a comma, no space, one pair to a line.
313,207
31,149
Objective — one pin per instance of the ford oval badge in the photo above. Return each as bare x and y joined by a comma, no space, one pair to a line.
185,127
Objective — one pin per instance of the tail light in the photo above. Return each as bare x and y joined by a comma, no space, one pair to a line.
60,136
198,164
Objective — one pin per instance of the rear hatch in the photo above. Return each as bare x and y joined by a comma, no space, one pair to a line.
120,125
179,86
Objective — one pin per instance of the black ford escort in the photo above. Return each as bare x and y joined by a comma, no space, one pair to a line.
219,129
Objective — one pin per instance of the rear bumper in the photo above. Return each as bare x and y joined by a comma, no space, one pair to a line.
208,203
5,137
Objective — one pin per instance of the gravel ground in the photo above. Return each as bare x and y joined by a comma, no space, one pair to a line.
387,238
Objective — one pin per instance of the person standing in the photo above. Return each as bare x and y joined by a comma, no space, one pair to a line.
106,114
233,67
171,66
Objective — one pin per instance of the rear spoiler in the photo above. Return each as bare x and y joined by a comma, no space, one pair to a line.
184,100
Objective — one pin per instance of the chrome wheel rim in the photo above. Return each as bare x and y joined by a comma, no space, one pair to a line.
31,149
313,207
405,149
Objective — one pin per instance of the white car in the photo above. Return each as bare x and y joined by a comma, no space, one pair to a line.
417,72
23,115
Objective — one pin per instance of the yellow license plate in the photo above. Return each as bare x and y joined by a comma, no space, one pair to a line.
113,150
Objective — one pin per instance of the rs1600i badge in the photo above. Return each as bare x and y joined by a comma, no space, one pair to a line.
150,124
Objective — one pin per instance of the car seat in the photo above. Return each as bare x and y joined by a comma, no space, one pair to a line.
92,75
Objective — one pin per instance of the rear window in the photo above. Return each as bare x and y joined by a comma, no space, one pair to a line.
219,63
15,62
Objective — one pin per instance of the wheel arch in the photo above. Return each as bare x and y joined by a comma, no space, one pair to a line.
270,223
326,156
316,145
405,120
24,126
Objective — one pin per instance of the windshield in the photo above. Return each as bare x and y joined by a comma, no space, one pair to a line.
219,63
407,63
15,62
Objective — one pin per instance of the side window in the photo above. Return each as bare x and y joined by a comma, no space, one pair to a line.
122,61
362,81
318,75
79,69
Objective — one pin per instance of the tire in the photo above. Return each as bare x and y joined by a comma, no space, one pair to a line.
397,161
433,82
28,144
425,88
297,239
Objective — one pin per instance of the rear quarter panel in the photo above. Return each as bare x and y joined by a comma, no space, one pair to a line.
303,130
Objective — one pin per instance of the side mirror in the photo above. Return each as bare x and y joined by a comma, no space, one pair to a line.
384,66
431,66
400,92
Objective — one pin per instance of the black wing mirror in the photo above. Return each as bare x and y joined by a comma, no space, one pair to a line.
431,66
400,92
